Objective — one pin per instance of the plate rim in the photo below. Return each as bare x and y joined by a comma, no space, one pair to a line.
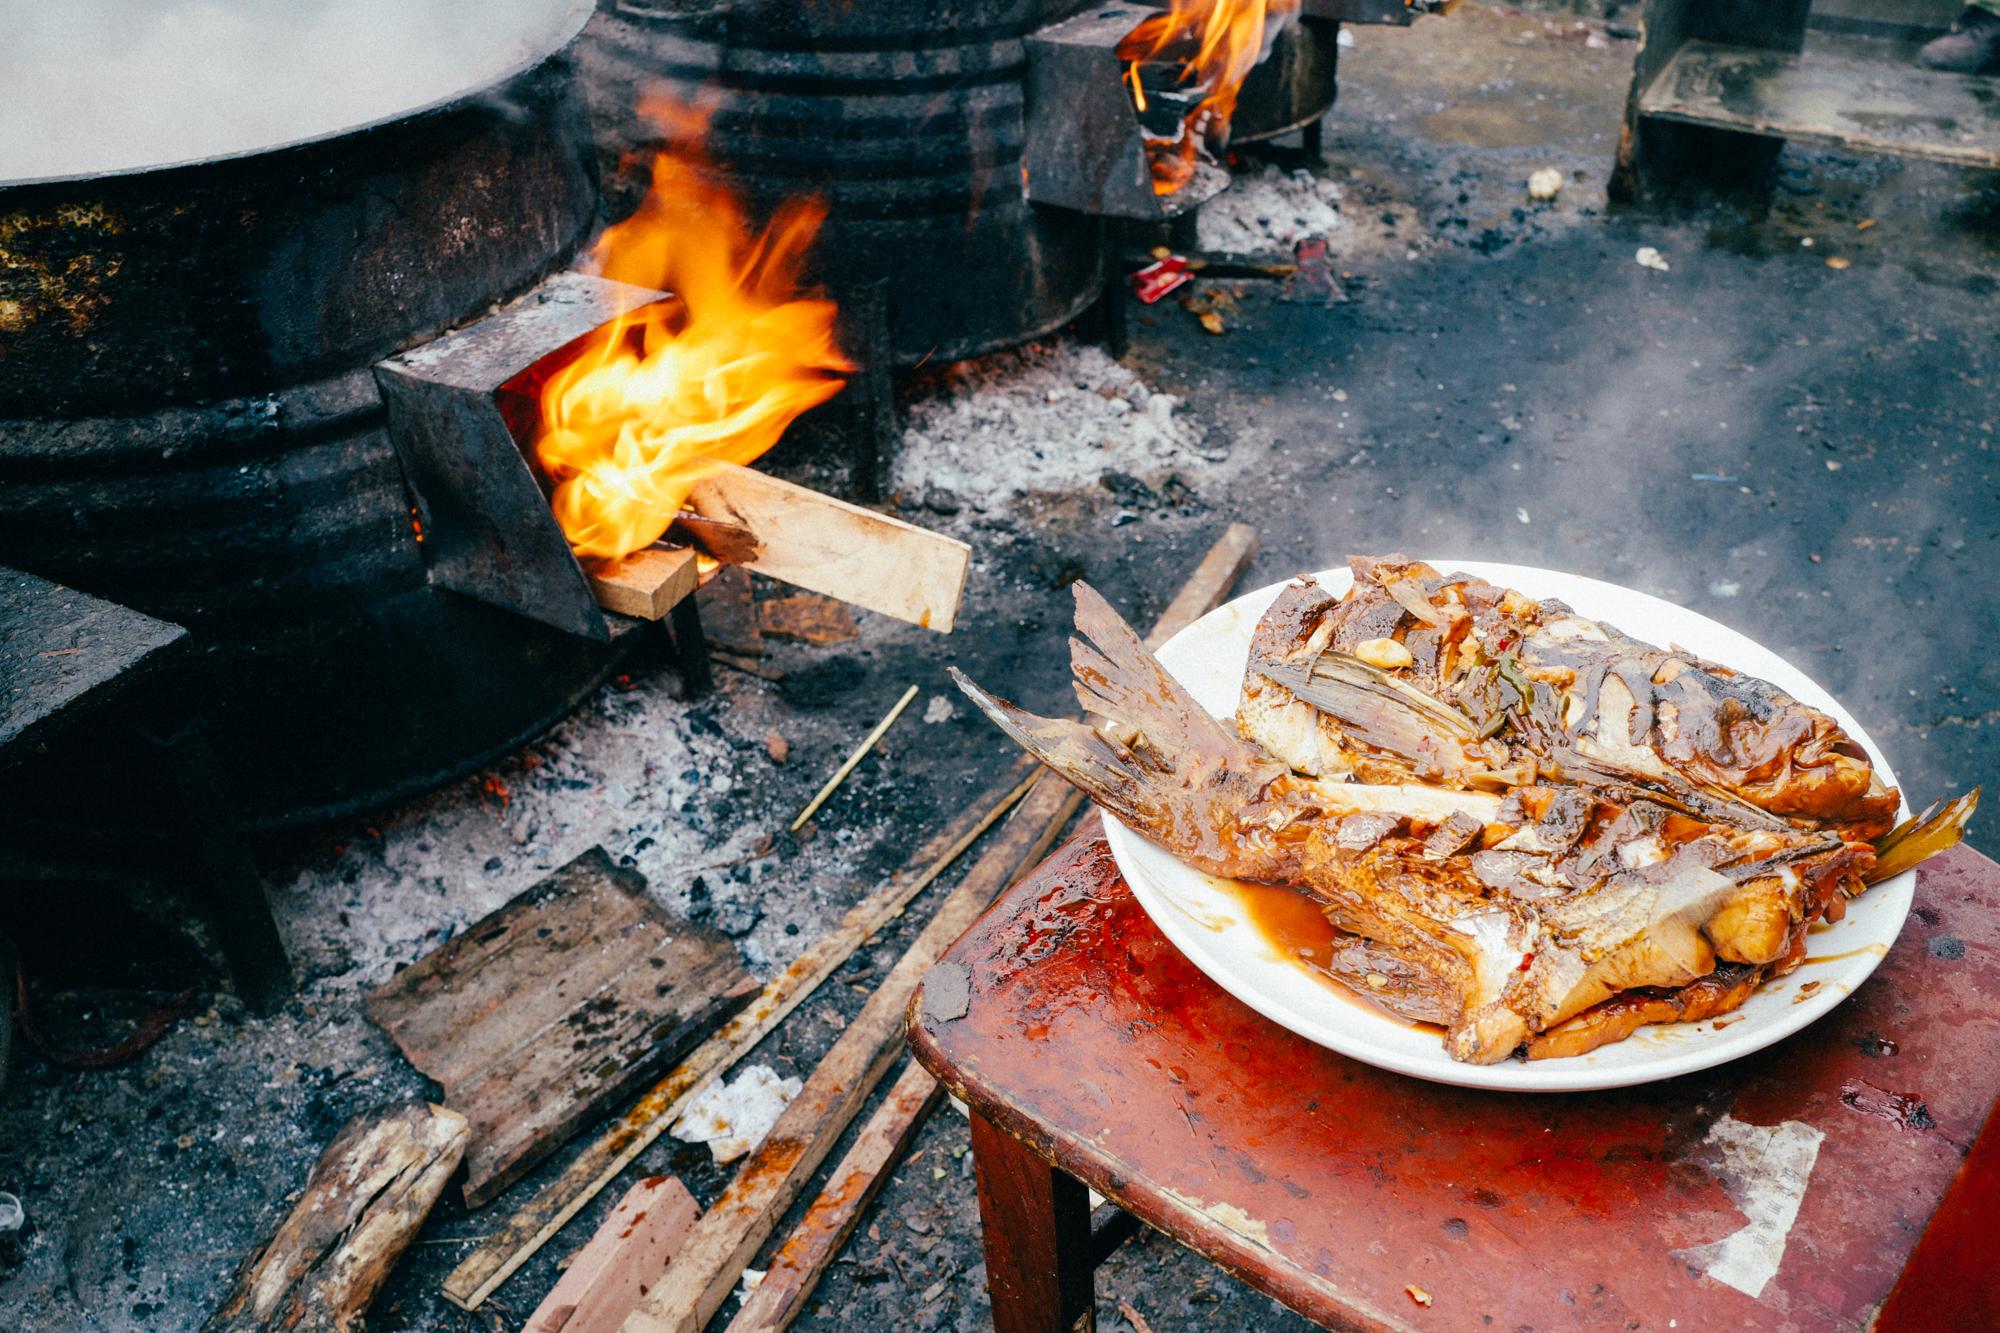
1561,1074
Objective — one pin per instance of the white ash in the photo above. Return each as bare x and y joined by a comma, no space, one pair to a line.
939,709
1048,416
625,771
1267,213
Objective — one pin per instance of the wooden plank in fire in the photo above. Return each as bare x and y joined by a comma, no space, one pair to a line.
824,545
647,583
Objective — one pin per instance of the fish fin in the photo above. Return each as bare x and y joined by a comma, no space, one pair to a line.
1162,764
1106,771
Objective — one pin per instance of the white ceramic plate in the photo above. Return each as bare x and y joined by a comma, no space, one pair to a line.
1206,921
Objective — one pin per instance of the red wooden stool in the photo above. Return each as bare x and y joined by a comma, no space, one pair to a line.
1810,1186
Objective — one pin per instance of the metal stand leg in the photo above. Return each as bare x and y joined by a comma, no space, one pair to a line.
225,879
1313,139
1108,318
691,649
1036,1226
874,402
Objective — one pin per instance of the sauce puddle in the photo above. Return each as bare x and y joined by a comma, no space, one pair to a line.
1295,928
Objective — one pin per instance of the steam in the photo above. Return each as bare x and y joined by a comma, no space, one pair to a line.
98,86
1614,446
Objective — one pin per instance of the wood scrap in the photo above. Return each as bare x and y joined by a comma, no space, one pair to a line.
808,617
1134,1318
824,545
860,753
568,997
532,1226
737,1224
749,666
647,584
607,1278
718,539
797,1267
366,1198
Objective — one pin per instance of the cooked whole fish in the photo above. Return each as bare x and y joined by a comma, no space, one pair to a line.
1533,830
1477,686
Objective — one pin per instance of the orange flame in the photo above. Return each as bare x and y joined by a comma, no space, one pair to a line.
661,396
1216,43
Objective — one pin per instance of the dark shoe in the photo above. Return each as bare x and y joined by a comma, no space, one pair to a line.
1971,47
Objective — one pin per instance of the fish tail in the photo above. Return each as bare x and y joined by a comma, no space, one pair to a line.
1162,764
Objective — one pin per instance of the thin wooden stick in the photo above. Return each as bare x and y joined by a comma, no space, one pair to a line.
797,1267
730,1232
536,1222
860,753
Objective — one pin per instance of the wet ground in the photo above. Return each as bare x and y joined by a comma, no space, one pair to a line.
1799,449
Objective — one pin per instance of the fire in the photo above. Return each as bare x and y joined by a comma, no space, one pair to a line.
661,396
1215,44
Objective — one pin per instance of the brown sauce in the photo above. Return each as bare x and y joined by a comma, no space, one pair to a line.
1296,929
1878,949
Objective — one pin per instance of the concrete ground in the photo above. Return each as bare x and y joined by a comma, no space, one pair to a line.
1801,450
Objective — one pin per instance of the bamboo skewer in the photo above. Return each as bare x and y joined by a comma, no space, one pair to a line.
860,753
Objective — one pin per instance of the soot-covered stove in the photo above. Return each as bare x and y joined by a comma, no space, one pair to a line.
207,309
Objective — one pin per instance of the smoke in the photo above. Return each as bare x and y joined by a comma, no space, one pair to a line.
97,86
1648,460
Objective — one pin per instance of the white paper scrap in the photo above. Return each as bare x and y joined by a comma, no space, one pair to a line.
1764,1170
733,1118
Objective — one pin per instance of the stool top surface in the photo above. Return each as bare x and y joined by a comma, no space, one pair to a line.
1785,1190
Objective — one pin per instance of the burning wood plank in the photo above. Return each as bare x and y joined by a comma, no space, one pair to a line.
489,531
824,545
646,584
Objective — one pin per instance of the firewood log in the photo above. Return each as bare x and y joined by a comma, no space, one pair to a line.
365,1200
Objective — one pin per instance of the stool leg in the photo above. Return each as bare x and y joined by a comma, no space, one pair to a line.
1108,319
1036,1224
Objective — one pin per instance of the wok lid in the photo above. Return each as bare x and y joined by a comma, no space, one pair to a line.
113,87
